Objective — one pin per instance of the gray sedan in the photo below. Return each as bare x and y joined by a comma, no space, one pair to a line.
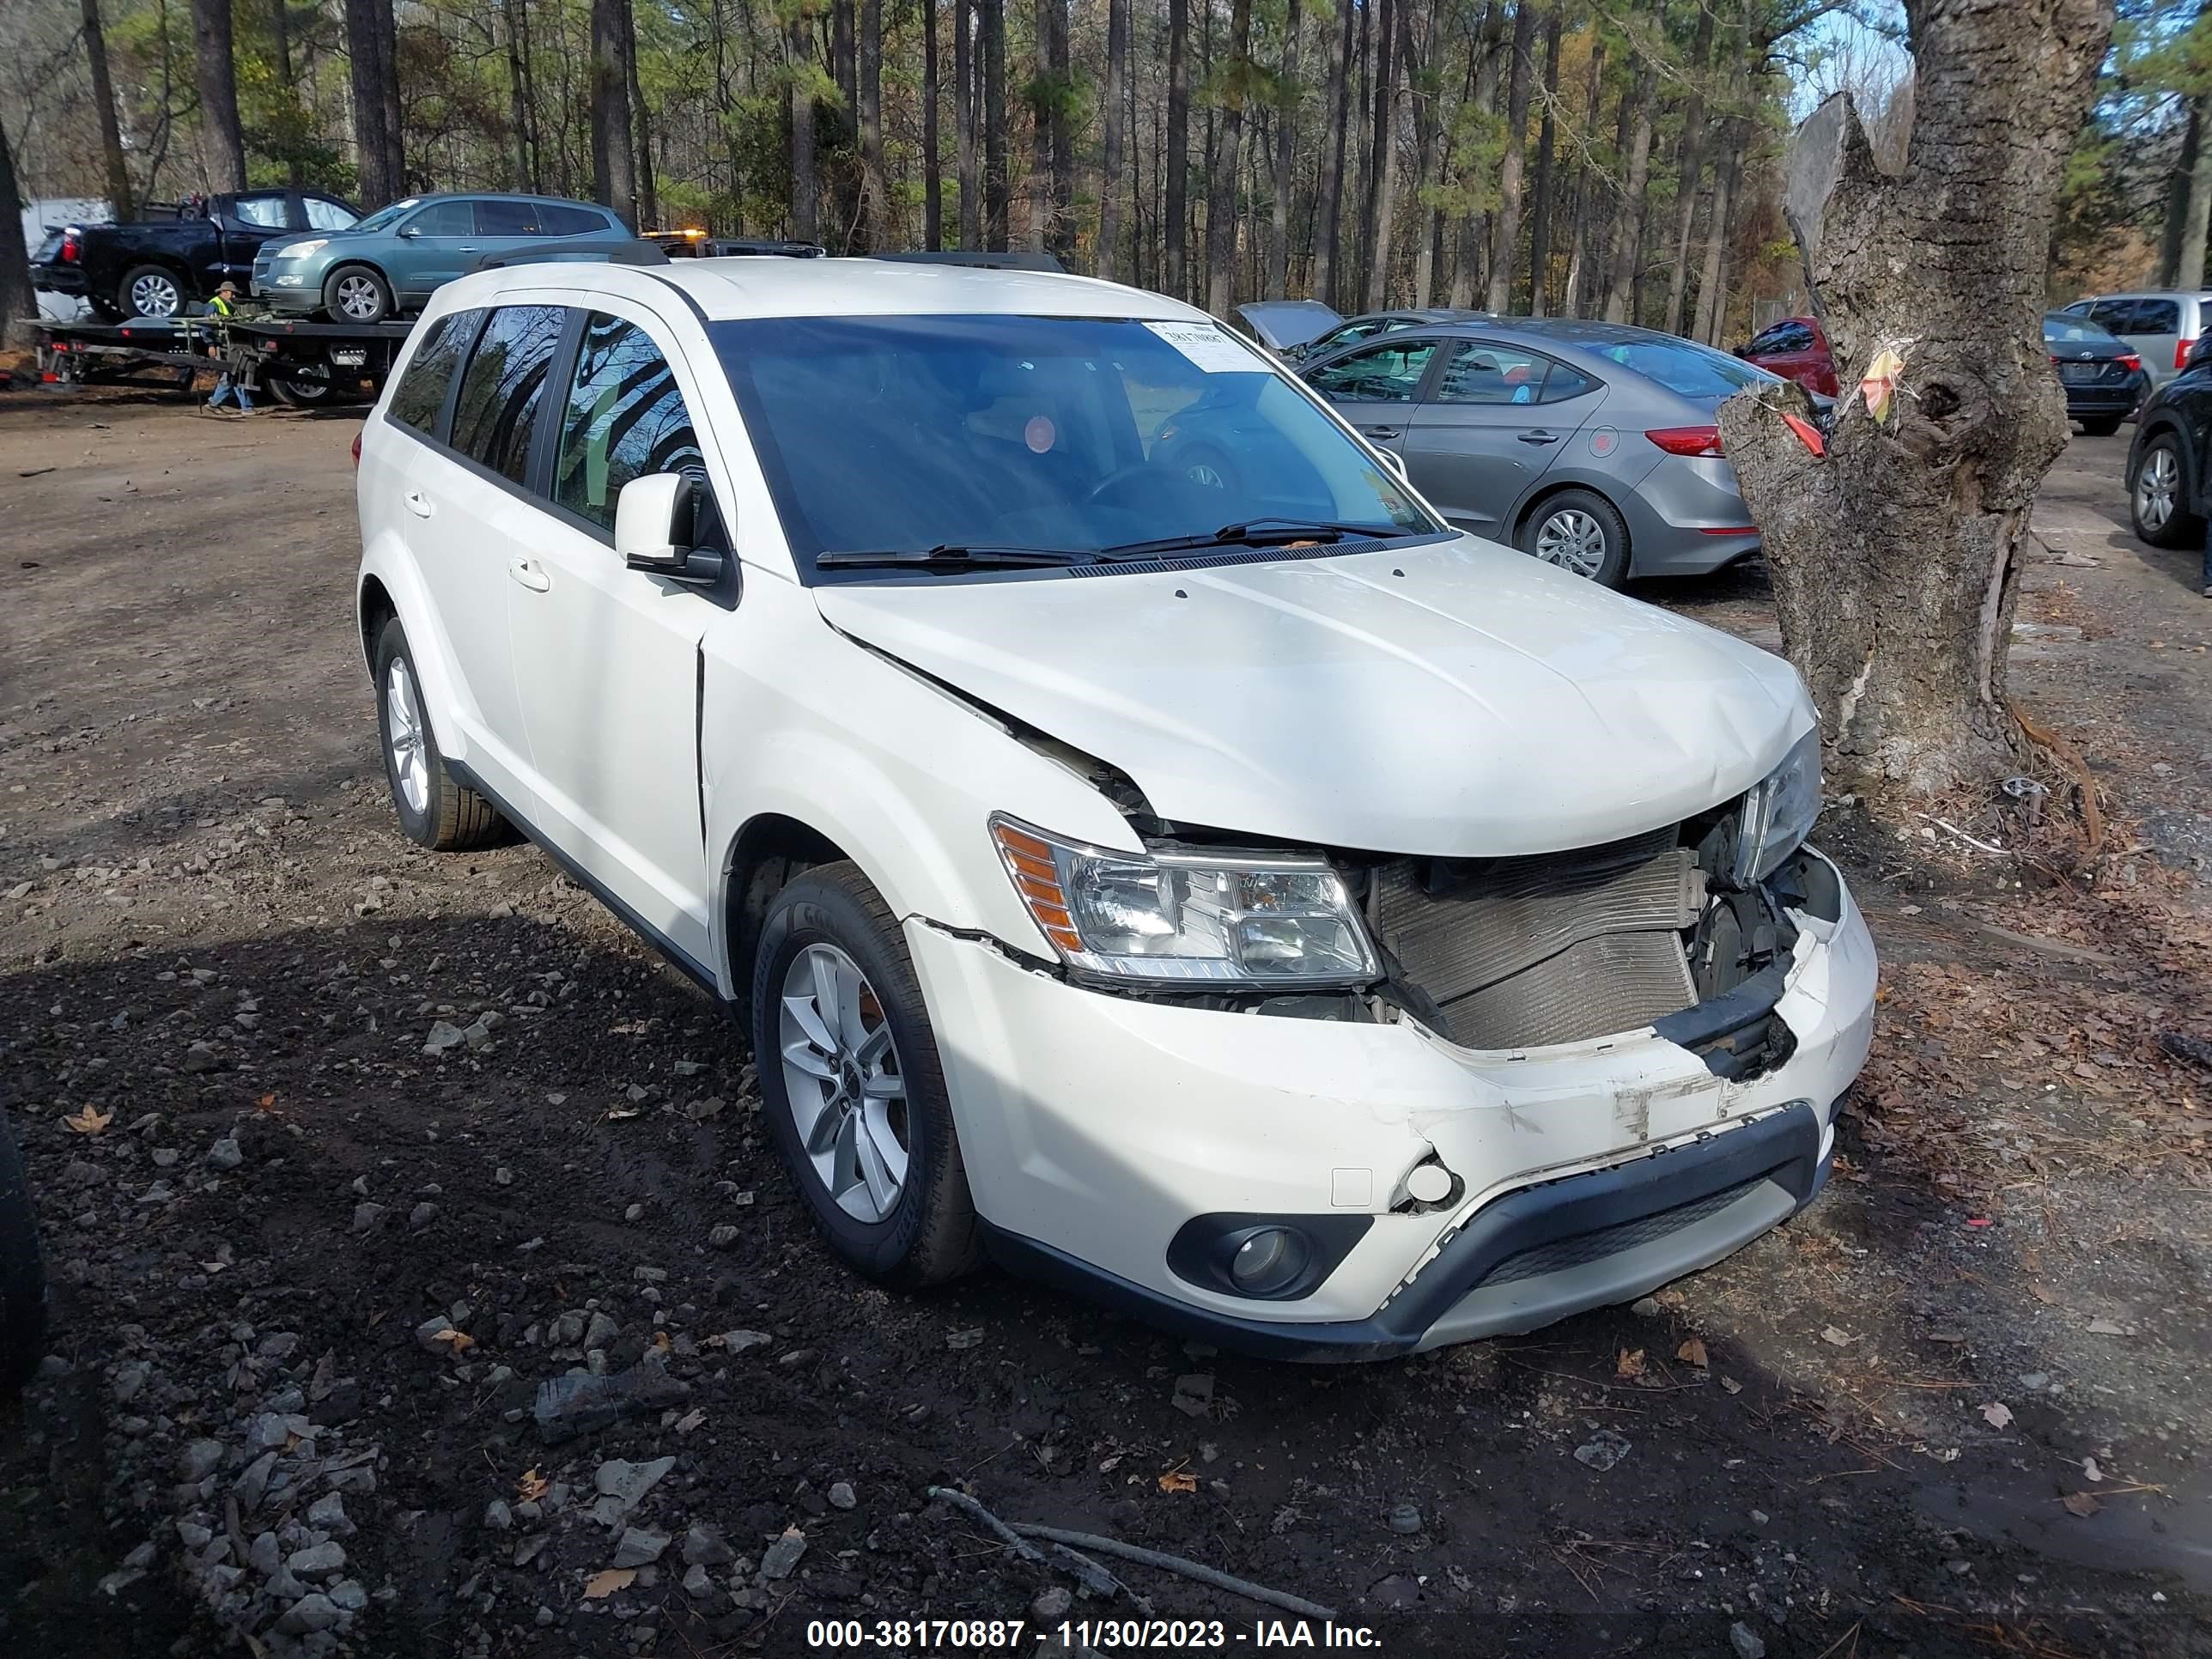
1592,445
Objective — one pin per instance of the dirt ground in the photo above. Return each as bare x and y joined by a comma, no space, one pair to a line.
308,1276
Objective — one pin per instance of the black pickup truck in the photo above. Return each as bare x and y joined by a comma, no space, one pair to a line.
158,266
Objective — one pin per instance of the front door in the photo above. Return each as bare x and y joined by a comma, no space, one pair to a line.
1375,388
610,654
437,244
1496,419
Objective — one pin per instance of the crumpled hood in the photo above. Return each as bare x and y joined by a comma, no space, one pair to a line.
1481,704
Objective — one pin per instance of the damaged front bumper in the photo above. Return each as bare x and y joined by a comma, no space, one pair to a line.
1118,1147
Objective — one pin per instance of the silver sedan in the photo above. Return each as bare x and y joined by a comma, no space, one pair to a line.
1592,445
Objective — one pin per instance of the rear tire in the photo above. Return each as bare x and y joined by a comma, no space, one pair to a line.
1580,531
2103,426
858,1102
2158,496
357,294
303,391
435,809
23,1275
151,291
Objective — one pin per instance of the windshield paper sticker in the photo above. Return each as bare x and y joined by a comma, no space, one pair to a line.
1209,348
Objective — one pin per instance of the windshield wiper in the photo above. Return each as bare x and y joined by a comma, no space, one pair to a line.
943,557
1257,533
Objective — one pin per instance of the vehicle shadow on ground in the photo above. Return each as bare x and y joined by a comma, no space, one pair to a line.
601,1141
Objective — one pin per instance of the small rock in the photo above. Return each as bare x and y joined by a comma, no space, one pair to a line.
366,1216
628,1483
842,1496
722,1235
432,1335
201,1057
1406,1519
697,1582
601,1331
327,1514
498,1516
736,1342
225,1154
1746,1641
1758,1518
317,1560
1645,1307
421,1215
444,1034
503,1175
1194,1393
348,1596
199,1459
972,1338
310,1613
264,1555
1052,1605
1603,1451
639,1546
704,1548
781,1558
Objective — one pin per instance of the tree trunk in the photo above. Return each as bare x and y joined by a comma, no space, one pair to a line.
369,36
1040,167
1286,128
1506,241
1475,229
649,202
1221,204
2189,266
1628,220
1061,239
875,184
1428,136
614,178
2177,195
518,97
1329,188
1540,211
1693,164
218,83
1712,282
19,300
1178,157
806,186
997,207
1574,301
1111,187
1894,558
1383,170
963,123
932,162
111,135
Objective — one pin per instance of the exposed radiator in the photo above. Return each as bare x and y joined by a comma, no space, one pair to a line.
1521,952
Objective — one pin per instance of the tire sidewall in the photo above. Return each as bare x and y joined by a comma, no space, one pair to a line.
2173,533
391,648
331,295
806,913
1615,570
130,280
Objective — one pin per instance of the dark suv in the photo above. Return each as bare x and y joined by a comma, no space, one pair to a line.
2170,462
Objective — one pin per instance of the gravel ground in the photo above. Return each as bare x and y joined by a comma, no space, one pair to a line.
345,1152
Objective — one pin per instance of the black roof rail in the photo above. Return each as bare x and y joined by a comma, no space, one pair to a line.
736,247
980,259
627,251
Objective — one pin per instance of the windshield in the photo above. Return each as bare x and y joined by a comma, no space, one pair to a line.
1695,371
902,434
385,216
2061,330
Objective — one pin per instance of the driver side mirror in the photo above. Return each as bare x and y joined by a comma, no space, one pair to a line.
654,520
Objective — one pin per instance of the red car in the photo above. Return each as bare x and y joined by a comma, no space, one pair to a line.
1796,350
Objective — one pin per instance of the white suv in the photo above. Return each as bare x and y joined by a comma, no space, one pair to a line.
1142,840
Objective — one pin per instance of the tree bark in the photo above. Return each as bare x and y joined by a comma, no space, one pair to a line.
2189,265
518,94
997,206
1111,187
1895,558
1041,162
375,86
1329,188
1575,300
875,182
805,185
217,74
1507,238
1061,239
963,123
614,178
1286,129
1712,282
103,95
932,162
1172,279
1473,242
1221,205
1539,214
649,202
19,300
2177,195
1692,169
1382,199
1628,220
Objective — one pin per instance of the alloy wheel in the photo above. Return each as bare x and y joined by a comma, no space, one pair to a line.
2156,486
1573,540
359,298
403,713
841,1072
155,295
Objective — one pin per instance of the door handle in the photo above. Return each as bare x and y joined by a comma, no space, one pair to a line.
531,574
419,504
1381,431
1539,437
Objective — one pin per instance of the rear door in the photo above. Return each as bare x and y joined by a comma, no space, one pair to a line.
246,222
1376,388
611,655
1494,419
506,227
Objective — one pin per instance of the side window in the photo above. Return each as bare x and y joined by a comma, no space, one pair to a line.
625,419
263,212
443,219
1563,383
505,386
1792,336
325,214
2157,317
1482,374
569,222
506,219
1381,375
2117,315
421,392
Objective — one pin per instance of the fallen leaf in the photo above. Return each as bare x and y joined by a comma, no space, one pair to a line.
1692,1352
1841,1339
1630,1364
532,1487
90,1121
602,1585
2083,1504
691,1421
455,1341
1178,1480
1997,1414
2047,1297
660,1341
267,1102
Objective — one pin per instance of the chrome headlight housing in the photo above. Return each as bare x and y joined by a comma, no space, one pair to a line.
1189,919
1778,811
302,250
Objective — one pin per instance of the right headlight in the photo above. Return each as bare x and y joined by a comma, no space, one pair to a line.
1180,918
1778,811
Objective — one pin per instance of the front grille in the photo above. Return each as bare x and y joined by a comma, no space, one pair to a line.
1522,952
1583,1249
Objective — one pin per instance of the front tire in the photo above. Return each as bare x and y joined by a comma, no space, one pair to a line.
850,1077
2158,496
1580,531
356,294
435,809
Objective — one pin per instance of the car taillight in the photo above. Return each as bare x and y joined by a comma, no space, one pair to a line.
1687,440
2181,350
72,249
356,449
2127,360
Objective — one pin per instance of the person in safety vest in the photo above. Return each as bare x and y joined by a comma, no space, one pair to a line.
225,304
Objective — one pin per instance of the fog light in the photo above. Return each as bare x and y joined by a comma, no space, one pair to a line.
1267,1259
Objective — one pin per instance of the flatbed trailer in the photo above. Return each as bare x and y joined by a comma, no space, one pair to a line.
300,363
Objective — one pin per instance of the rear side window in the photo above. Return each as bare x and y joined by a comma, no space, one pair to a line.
569,222
625,419
421,392
324,214
507,218
505,386
1482,374
264,212
2158,317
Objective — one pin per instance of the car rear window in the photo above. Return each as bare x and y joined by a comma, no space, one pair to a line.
1694,371
2077,331
505,386
2156,317
420,393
